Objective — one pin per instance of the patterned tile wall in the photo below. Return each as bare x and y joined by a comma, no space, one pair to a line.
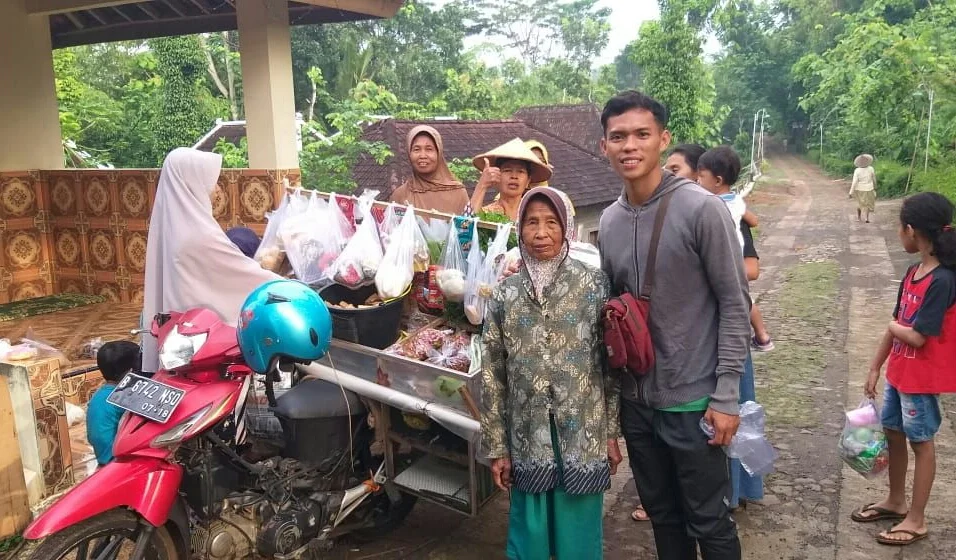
85,230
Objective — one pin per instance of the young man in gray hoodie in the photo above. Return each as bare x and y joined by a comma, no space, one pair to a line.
700,327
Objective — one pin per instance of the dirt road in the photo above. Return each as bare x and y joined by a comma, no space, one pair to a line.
827,289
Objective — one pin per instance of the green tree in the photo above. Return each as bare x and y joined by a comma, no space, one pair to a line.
186,104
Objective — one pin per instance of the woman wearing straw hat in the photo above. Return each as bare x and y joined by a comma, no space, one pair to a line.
538,149
864,186
510,168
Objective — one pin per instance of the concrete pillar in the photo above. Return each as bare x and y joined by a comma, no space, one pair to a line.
266,56
29,114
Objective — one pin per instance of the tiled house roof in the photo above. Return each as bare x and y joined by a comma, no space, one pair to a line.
577,124
585,176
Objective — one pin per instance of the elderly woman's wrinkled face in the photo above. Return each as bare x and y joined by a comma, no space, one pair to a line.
541,230
424,154
677,164
514,178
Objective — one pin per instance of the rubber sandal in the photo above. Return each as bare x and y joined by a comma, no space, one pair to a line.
638,519
896,542
882,514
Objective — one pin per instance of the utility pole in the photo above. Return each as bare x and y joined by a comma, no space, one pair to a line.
929,132
753,145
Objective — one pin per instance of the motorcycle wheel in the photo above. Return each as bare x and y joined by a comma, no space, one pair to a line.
111,535
385,517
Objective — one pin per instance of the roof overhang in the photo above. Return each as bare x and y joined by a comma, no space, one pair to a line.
82,22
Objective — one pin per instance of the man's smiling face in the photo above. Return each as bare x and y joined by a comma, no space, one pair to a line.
634,142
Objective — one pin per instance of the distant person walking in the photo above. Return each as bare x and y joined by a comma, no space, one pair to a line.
864,187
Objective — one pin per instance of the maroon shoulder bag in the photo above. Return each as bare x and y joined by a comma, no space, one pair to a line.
625,318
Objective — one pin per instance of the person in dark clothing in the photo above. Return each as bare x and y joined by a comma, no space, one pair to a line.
699,327
245,239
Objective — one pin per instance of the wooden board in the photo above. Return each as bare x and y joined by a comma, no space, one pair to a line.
14,503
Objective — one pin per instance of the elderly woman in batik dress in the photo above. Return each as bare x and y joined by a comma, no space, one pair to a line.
550,408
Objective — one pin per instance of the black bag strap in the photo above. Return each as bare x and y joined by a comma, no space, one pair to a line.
648,284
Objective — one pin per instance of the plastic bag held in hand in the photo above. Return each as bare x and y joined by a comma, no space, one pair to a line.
271,251
395,274
454,267
359,262
750,445
863,445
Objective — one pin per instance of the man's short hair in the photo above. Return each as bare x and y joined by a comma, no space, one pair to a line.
632,99
115,359
722,162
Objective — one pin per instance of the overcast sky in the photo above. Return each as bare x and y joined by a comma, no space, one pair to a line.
626,19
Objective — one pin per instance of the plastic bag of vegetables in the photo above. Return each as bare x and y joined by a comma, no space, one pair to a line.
483,273
360,260
454,267
395,274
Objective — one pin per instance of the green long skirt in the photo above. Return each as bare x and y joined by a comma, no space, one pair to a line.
555,524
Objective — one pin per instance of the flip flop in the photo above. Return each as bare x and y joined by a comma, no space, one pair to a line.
637,518
896,542
881,514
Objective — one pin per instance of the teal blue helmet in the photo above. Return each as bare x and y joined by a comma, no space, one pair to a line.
283,319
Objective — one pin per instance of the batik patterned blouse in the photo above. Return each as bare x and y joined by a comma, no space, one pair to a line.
544,358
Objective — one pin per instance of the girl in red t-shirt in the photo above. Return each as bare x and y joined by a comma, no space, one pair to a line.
920,343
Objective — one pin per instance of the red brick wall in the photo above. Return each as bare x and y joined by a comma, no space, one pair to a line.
84,231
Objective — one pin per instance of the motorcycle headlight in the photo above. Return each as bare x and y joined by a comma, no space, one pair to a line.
179,349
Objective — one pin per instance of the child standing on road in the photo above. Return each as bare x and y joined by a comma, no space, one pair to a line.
920,343
717,171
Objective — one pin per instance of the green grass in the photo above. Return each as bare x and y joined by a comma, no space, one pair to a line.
801,319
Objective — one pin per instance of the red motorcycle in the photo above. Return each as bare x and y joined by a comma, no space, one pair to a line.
186,483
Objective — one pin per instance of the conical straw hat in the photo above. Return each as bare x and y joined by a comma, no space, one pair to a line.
515,149
863,160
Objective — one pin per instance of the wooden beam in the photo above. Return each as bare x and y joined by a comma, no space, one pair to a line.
123,14
48,7
377,8
74,20
97,17
200,5
174,8
148,10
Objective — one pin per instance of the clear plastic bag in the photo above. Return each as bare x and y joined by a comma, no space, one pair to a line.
454,267
361,258
395,274
483,273
452,355
271,252
436,235
390,222
307,242
421,258
863,445
749,445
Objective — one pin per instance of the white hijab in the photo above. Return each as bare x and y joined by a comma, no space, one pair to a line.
189,260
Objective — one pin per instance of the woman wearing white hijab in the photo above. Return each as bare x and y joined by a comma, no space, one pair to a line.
189,260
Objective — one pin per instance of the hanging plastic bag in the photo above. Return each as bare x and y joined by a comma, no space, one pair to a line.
863,445
421,257
360,260
271,252
454,267
483,273
389,223
306,242
395,274
495,258
436,235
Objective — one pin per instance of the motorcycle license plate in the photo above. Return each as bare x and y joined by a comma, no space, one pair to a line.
147,398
